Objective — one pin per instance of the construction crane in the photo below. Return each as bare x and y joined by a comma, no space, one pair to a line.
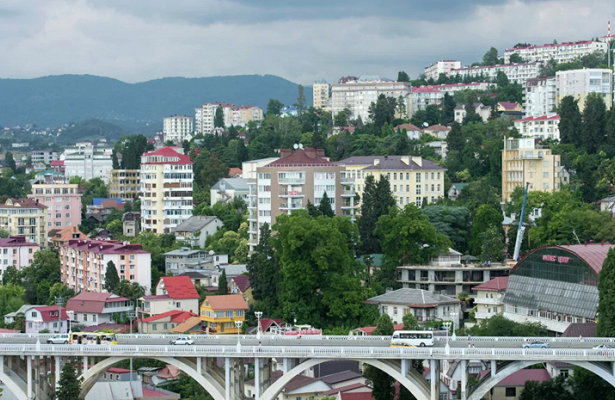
521,229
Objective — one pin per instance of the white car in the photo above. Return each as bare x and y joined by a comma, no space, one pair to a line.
59,339
182,340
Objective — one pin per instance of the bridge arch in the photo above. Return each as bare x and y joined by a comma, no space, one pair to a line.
487,384
411,383
92,375
19,391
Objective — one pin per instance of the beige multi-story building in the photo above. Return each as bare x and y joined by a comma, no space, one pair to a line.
322,95
63,201
581,82
539,96
233,115
560,52
543,127
525,161
25,217
177,128
516,73
124,184
358,95
441,67
412,179
289,182
249,173
166,187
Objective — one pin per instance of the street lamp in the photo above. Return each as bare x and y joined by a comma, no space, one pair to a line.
447,325
60,303
453,316
238,326
70,315
130,314
259,315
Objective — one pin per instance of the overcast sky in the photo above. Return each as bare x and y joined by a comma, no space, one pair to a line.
300,40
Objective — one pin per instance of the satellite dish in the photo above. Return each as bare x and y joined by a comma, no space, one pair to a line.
425,124
301,146
295,146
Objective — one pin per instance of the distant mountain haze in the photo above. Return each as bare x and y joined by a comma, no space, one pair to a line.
55,100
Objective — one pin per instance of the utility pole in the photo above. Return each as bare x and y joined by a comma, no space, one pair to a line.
131,314
59,302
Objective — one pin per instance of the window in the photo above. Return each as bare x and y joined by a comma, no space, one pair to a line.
418,190
154,327
394,188
229,314
544,164
85,317
545,174
418,201
165,326
395,176
511,392
545,186
394,310
178,304
94,318
418,177
385,310
239,313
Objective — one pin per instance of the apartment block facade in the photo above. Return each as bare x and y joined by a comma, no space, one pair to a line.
543,127
516,73
358,95
84,264
25,217
44,156
249,169
413,180
525,161
441,67
15,251
88,161
288,183
540,96
233,115
124,184
63,201
560,52
423,96
177,128
166,187
322,95
581,82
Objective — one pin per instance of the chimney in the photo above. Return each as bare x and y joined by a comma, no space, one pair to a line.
285,152
418,161
376,161
320,152
405,160
310,152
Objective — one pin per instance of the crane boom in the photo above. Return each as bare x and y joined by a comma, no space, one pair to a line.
521,229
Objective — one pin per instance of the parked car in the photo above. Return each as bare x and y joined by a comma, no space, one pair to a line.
182,340
59,339
536,345
604,347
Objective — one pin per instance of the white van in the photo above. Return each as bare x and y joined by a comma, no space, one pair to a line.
59,339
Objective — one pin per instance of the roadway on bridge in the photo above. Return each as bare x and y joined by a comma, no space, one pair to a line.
266,340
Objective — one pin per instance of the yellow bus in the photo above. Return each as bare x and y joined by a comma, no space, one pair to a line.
93,338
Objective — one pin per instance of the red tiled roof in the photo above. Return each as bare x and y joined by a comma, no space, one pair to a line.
167,152
369,329
23,203
234,171
438,128
541,118
242,282
551,45
346,389
16,241
507,105
593,254
57,163
425,89
266,323
169,372
300,158
179,287
520,377
491,66
227,302
408,127
115,370
175,316
47,310
295,383
91,302
496,284
105,247
585,329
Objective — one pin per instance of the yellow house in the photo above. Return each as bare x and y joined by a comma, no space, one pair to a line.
241,285
25,217
412,179
219,313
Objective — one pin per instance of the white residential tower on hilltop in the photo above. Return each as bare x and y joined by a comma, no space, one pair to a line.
441,67
516,73
560,52
233,115
177,128
581,82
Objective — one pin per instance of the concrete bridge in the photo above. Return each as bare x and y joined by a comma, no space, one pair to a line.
32,370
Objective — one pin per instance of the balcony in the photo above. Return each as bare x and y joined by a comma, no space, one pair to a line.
291,193
291,181
291,206
348,193
347,179
489,301
484,315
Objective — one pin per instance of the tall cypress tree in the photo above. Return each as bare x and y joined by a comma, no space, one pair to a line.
219,118
594,122
112,279
222,283
325,206
606,297
70,386
610,127
448,109
455,140
377,199
570,124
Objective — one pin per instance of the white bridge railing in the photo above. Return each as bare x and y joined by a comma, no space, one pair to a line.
569,354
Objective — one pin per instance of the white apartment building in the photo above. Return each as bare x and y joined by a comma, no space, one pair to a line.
166,187
43,156
543,127
451,88
540,95
84,264
177,128
516,73
322,95
358,95
233,115
15,251
248,169
423,96
441,67
581,82
88,161
561,52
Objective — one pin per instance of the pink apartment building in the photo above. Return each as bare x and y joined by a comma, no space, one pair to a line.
17,252
63,201
84,264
